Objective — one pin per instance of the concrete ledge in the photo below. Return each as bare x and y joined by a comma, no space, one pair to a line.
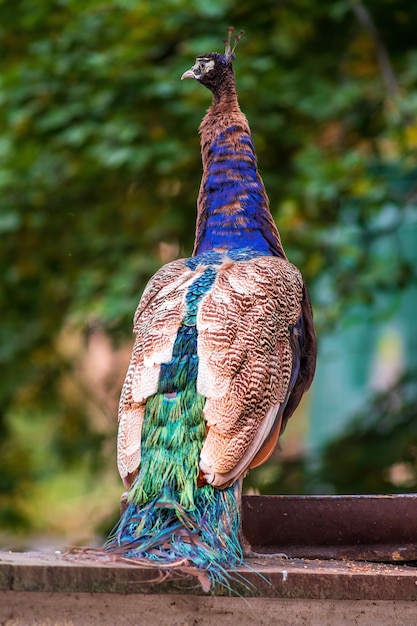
88,609
268,577
49,589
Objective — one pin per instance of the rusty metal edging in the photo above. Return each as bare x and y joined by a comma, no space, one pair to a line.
365,527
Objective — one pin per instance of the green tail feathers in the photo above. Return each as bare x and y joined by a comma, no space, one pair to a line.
173,431
169,520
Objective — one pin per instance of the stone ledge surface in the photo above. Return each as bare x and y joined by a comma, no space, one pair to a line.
264,577
104,609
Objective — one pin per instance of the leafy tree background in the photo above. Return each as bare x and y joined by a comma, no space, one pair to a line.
99,173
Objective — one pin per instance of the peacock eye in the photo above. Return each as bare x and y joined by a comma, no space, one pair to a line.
203,66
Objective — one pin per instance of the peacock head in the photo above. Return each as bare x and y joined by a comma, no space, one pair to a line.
213,68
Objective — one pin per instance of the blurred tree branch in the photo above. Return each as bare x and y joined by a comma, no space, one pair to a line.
365,19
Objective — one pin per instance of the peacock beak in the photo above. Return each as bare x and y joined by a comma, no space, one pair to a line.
188,74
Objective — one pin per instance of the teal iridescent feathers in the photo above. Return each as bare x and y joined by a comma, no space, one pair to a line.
224,350
203,542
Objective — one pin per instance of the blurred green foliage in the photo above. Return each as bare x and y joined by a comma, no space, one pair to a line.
378,451
100,169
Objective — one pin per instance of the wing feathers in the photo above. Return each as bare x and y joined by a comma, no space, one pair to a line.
218,445
245,359
129,443
157,319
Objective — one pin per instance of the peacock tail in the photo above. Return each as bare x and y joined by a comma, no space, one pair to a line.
169,519
224,351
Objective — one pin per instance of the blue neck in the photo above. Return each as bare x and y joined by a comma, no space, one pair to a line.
233,202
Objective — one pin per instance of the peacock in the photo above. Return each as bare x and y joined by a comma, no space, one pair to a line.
224,350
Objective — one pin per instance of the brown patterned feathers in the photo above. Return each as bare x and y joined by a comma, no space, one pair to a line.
245,360
224,351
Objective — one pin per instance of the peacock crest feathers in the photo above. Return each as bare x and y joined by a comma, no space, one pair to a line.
230,49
